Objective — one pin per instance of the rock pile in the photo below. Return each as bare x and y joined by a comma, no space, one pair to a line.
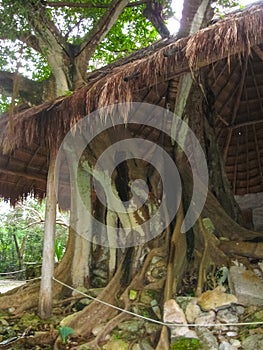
216,320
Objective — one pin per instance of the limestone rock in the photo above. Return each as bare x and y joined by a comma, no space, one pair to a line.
226,346
192,311
253,342
184,301
246,286
226,316
131,326
172,313
213,299
236,343
207,339
206,318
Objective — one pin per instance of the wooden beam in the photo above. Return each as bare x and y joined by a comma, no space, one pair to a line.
236,106
17,173
252,122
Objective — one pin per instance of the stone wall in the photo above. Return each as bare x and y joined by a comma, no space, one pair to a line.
252,206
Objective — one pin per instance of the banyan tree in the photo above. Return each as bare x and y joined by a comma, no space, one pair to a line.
211,80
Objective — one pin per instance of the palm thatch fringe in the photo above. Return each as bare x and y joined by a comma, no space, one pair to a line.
234,35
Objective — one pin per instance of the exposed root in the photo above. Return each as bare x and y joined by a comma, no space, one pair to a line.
164,341
100,338
22,298
171,280
209,251
225,226
43,338
202,267
246,249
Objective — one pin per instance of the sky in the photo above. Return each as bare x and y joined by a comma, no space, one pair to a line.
177,5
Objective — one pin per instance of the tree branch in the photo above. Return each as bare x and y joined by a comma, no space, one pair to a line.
28,90
44,25
31,40
98,33
89,5
153,12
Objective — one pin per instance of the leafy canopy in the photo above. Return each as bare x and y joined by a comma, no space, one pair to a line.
24,24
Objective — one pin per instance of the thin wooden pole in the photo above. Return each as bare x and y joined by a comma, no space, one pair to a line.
45,296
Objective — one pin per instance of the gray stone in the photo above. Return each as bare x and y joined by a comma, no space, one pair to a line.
226,316
226,346
235,342
184,301
231,334
156,309
151,328
239,309
247,287
132,326
258,219
191,334
206,318
207,340
172,313
220,337
250,200
192,311
253,342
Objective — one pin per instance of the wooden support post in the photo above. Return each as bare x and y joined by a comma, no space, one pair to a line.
45,296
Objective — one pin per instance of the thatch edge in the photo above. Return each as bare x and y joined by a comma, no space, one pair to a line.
234,35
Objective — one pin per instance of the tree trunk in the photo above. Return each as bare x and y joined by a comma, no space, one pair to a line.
18,252
45,295
80,207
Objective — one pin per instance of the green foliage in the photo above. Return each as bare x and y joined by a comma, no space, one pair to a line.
4,103
24,25
222,5
59,249
185,344
25,224
64,333
130,33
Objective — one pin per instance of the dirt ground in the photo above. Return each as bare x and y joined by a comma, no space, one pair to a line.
6,285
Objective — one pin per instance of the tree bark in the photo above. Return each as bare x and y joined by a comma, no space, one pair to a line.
33,92
45,296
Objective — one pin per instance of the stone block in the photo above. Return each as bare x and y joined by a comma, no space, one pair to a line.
246,285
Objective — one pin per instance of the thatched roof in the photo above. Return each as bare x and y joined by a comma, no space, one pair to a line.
229,53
